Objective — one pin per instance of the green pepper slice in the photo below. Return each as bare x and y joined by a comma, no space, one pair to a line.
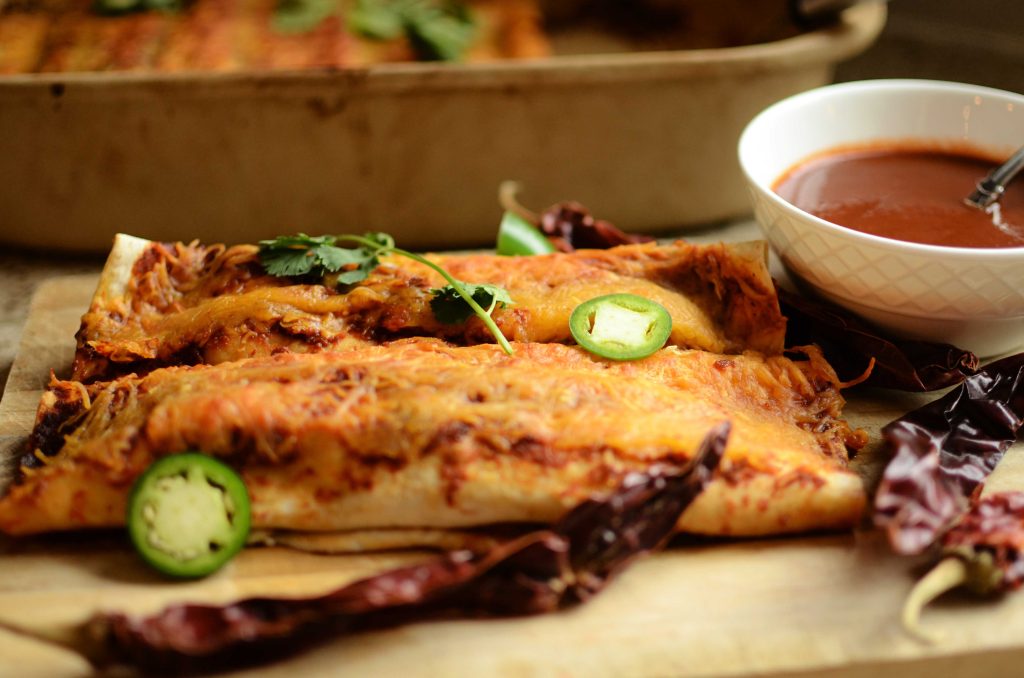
517,237
188,515
620,326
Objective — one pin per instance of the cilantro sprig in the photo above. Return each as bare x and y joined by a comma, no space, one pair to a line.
302,16
321,256
438,30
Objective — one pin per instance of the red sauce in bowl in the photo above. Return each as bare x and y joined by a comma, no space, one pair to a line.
908,194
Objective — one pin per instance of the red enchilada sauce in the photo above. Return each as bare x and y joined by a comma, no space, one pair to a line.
908,194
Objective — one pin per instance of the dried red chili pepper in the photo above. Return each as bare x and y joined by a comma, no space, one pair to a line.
849,345
944,451
942,455
984,551
570,226
540,572
990,538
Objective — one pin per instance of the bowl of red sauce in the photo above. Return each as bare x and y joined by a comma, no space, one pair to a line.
860,190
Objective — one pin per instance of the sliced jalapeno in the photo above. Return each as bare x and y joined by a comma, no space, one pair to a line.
188,515
620,326
518,237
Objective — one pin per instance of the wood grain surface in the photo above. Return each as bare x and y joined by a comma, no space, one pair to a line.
818,605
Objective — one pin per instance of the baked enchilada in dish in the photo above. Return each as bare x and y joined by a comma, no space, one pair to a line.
68,36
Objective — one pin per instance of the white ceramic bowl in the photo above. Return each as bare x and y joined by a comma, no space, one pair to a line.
972,298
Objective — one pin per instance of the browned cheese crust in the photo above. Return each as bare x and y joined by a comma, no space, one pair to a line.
421,433
160,305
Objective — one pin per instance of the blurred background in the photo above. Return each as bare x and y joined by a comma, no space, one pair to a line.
975,41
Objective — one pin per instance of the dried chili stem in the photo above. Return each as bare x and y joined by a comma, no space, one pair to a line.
507,199
946,576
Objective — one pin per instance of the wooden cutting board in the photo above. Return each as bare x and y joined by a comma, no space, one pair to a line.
817,605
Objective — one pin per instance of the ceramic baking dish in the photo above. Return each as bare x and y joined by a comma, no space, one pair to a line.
646,139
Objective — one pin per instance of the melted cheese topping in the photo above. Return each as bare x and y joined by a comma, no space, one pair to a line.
188,304
421,433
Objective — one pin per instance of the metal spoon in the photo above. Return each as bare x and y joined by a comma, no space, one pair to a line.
990,189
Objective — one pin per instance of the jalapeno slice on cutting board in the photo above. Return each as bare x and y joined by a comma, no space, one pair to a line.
188,515
621,326
518,237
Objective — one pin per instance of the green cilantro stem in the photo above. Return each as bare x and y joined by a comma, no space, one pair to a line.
455,284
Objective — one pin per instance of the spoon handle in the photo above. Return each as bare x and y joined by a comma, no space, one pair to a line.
991,188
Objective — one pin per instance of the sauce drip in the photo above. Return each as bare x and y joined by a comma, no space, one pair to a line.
906,194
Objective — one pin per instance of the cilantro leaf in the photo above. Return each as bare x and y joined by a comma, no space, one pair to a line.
301,16
358,263
438,30
332,258
303,255
382,240
300,239
440,33
287,262
292,255
373,19
451,309
360,273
